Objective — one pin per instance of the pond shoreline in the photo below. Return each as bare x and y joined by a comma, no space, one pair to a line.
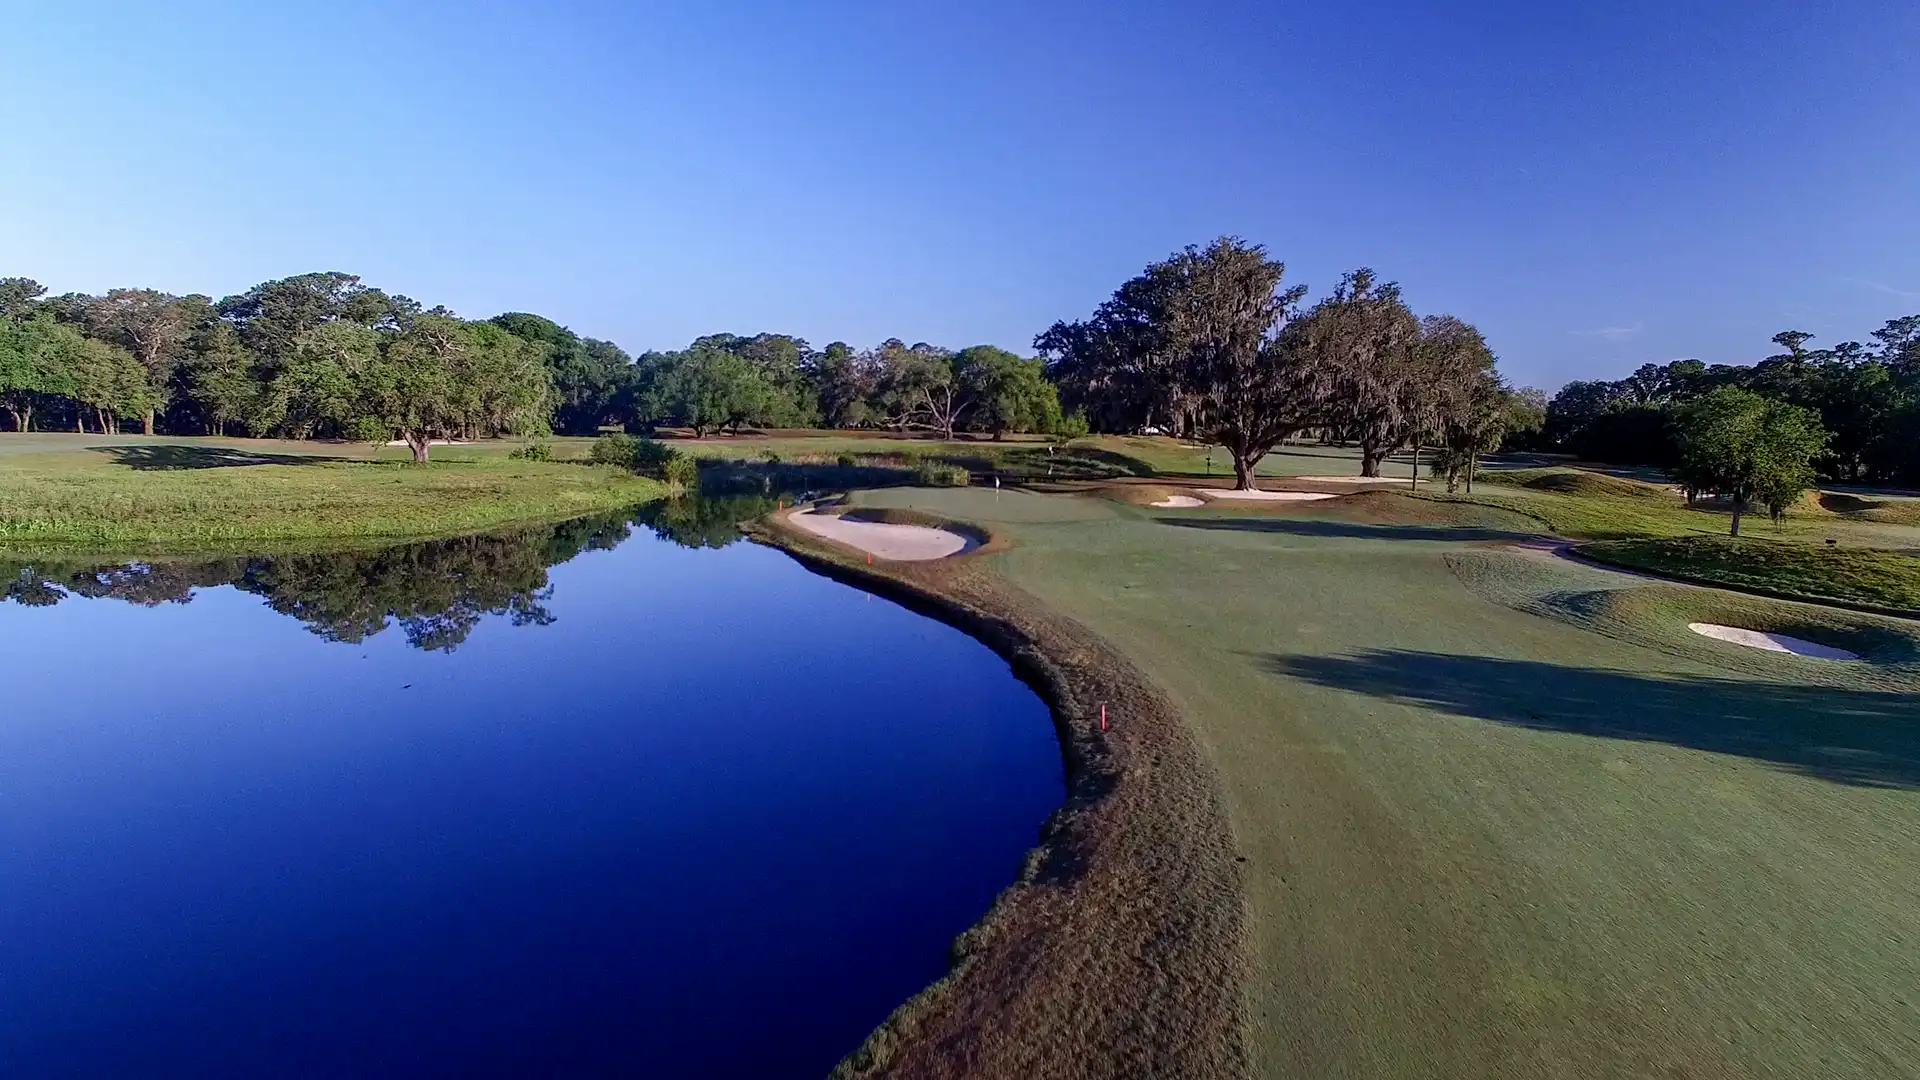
1121,949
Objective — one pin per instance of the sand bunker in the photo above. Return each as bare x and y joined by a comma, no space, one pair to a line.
1174,501
1352,479
900,543
1269,496
1754,639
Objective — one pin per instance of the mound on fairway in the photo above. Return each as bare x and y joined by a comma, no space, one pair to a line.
1866,577
1579,482
1394,508
1660,615
895,541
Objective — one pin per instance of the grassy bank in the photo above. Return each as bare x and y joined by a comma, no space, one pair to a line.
1502,814
205,498
1879,579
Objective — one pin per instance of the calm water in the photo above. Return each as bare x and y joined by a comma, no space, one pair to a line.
451,810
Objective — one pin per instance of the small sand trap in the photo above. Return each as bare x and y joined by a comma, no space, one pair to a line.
1754,639
1176,501
900,543
1269,496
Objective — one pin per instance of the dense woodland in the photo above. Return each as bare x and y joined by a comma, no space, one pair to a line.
322,355
1866,396
1212,344
1209,343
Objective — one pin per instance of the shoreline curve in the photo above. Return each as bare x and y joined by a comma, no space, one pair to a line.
1121,948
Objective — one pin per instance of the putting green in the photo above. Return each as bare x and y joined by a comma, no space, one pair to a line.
1498,821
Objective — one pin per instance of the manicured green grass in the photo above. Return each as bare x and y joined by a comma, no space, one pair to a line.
1518,821
199,497
1883,579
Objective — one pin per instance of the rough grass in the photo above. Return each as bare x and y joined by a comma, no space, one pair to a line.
91,501
1879,579
1484,839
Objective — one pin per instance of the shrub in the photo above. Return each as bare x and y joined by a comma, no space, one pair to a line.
771,457
680,470
651,457
847,461
621,450
1071,426
935,474
534,451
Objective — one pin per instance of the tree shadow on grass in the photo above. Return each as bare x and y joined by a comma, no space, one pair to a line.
1860,737
164,458
1351,530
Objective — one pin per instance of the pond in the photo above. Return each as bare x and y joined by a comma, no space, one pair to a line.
601,798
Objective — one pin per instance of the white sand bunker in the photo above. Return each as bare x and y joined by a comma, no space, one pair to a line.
1351,479
1269,496
1754,639
1179,501
901,543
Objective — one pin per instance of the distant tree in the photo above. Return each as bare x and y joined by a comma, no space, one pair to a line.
438,377
934,395
18,296
272,316
109,381
1231,364
1452,393
1011,392
1897,345
782,362
1361,344
1121,366
1526,417
842,385
35,364
1747,447
154,327
1192,345
224,384
707,389
588,375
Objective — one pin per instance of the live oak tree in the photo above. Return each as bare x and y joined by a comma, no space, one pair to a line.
438,377
153,326
1010,393
1195,344
589,376
707,388
34,365
1747,447
1358,344
1240,374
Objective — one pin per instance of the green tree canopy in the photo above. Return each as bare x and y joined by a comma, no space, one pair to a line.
1736,443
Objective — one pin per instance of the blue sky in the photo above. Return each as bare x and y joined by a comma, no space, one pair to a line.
1594,185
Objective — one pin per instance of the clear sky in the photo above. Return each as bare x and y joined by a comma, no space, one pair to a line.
1594,184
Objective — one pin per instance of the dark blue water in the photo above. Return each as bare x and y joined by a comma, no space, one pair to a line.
655,811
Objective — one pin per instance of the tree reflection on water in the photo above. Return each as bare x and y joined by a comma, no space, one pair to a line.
436,590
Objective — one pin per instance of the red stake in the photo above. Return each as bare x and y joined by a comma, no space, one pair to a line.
1103,716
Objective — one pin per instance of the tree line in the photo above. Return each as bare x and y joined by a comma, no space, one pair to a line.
1864,399
324,356
1211,344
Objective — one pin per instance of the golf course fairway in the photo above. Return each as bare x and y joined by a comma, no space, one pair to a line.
1503,814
